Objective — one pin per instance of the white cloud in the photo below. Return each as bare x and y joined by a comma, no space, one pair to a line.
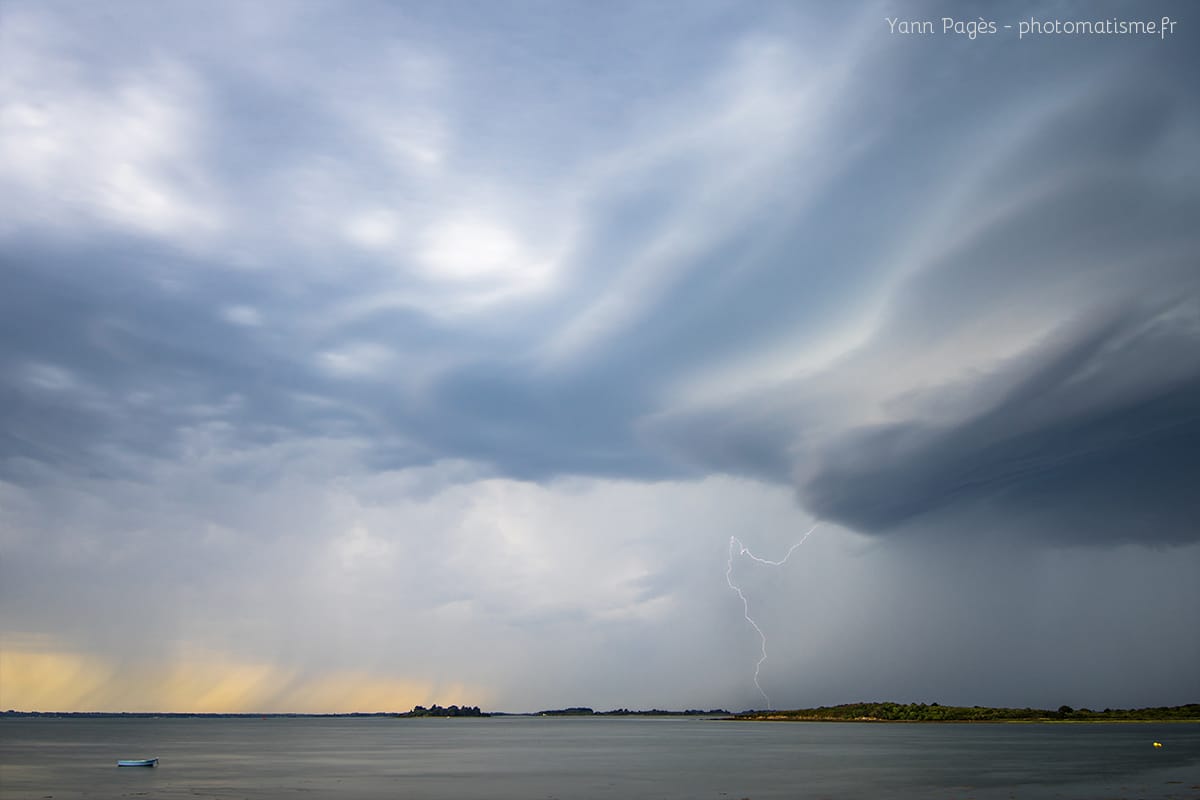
361,359
126,154
465,249
357,548
246,316
765,111
397,112
50,378
377,229
483,259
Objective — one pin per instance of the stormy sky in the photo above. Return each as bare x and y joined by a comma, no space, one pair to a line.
359,355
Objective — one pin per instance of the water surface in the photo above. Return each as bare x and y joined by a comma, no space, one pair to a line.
543,758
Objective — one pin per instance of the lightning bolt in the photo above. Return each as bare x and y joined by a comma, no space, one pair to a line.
736,544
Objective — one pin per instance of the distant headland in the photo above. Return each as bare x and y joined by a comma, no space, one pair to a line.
932,712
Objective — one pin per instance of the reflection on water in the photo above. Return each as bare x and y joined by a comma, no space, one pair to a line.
502,758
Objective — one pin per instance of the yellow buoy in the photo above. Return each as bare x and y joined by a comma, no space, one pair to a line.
1158,744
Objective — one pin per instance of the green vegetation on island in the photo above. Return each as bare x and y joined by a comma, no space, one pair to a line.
932,712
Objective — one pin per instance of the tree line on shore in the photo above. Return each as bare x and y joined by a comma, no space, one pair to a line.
933,712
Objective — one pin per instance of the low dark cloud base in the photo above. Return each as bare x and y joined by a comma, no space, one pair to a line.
1124,469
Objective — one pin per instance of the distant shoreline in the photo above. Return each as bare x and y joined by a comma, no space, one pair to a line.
882,712
933,712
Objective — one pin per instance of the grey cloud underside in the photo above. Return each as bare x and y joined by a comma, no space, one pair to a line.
146,362
1093,435
151,362
1088,436
1122,469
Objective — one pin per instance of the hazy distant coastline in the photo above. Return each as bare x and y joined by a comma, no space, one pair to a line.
847,712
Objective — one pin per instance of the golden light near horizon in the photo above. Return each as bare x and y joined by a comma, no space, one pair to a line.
45,681
59,680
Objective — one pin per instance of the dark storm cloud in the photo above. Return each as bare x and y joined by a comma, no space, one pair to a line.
1073,234
132,355
535,429
122,355
1054,454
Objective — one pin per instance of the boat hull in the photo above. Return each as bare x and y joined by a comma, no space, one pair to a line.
139,762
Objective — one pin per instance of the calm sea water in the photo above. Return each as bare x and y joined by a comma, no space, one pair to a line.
538,759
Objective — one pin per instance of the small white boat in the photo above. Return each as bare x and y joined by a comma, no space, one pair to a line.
138,762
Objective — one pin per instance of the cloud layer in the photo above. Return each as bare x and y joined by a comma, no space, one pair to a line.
446,346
